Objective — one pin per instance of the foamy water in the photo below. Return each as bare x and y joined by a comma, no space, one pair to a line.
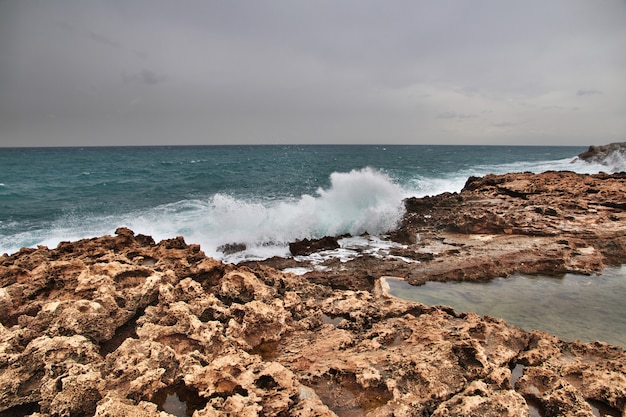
356,202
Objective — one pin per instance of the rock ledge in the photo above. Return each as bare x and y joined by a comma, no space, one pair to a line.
124,326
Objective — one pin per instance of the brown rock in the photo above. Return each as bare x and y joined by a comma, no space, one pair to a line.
231,248
549,223
110,326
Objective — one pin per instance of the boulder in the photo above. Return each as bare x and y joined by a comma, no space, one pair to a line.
603,154
307,247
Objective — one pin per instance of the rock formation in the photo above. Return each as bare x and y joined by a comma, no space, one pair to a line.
307,246
498,225
123,326
603,154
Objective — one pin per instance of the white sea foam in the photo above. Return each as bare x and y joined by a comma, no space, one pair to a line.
356,202
349,248
613,162
616,162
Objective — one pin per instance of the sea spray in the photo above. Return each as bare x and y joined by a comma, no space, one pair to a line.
360,201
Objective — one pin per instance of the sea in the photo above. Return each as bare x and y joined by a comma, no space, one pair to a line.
263,197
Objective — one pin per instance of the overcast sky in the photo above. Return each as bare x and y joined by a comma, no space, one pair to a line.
153,72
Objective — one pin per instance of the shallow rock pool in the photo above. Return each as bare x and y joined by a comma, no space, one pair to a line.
571,307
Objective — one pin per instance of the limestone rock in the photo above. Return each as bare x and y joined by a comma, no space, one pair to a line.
121,325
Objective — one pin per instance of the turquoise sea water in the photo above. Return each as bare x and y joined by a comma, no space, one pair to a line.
263,196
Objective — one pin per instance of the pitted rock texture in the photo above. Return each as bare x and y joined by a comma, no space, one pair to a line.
550,223
116,325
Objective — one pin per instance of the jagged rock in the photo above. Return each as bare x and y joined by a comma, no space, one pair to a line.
307,247
548,223
120,325
498,225
601,154
231,248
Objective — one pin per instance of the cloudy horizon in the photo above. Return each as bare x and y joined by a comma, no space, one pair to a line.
112,72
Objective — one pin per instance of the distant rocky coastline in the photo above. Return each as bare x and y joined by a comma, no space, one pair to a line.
125,326
604,153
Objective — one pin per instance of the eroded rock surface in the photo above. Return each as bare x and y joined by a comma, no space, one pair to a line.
551,223
307,246
123,326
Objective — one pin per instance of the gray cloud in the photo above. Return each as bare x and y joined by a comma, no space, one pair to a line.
74,30
588,92
454,115
318,72
506,124
144,76
96,37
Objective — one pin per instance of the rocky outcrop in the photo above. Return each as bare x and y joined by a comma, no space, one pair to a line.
123,326
309,246
550,223
603,154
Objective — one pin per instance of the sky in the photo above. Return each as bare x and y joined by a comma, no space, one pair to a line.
157,72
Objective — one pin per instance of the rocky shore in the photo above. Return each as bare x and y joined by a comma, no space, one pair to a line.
550,223
124,326
605,154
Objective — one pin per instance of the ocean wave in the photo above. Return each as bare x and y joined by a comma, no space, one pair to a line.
359,201
616,162
611,162
356,202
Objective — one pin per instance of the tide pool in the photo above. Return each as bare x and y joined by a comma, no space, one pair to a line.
572,307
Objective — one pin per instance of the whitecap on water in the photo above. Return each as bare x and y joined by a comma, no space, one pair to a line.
353,247
297,271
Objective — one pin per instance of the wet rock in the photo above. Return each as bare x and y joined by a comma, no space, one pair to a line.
231,248
601,154
307,247
360,280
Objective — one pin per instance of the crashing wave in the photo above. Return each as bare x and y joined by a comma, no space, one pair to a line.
612,156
